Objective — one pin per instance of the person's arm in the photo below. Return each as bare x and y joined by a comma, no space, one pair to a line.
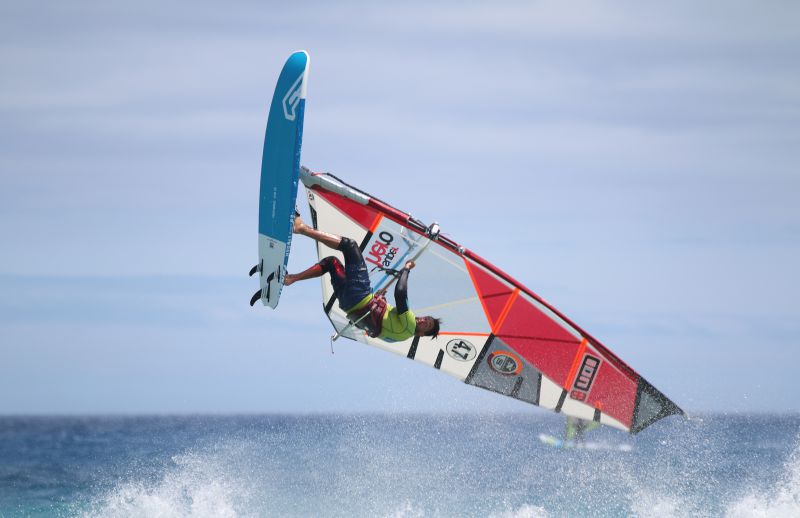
401,289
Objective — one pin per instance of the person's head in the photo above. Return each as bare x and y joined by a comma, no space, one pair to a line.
428,326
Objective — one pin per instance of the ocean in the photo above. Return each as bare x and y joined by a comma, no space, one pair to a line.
395,465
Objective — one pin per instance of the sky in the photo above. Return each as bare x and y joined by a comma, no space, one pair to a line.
635,164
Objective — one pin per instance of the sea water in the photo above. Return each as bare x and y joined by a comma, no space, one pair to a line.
395,466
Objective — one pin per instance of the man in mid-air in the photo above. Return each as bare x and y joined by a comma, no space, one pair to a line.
368,311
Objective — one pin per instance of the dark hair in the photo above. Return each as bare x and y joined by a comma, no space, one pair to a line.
434,332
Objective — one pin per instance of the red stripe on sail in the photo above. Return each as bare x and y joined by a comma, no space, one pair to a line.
363,215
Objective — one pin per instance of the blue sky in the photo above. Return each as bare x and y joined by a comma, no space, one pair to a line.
636,165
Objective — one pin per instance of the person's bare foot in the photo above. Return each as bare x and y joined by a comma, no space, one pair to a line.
299,225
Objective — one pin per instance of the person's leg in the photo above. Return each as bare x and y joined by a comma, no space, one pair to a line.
351,283
326,239
329,265
353,259
358,283
311,273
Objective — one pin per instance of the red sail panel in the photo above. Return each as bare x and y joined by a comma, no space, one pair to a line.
611,391
556,352
494,293
361,214
533,334
540,340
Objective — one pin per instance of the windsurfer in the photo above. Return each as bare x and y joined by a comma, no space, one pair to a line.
577,428
368,311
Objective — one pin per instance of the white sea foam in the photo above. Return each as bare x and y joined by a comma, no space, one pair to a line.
196,486
669,494
525,511
781,501
656,505
406,511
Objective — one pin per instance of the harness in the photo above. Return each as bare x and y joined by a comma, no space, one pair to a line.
370,317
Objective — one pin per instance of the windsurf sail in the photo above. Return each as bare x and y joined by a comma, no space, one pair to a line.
496,334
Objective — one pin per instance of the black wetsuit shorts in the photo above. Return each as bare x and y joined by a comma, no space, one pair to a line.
351,282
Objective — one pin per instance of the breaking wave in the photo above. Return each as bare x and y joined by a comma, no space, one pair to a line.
781,501
196,485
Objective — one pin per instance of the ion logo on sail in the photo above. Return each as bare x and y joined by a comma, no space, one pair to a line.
461,350
380,253
505,363
585,377
292,99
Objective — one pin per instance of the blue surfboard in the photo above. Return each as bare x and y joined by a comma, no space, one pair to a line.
280,170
